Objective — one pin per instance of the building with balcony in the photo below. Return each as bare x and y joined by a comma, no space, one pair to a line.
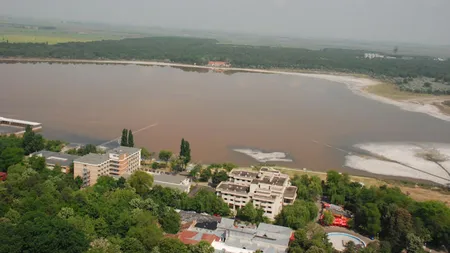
267,189
116,163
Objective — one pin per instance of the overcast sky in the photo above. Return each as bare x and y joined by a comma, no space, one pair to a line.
417,21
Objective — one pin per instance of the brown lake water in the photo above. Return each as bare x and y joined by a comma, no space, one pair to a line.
316,122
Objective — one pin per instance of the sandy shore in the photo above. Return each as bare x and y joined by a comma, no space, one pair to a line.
356,84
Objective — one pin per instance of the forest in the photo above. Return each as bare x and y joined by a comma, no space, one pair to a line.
199,51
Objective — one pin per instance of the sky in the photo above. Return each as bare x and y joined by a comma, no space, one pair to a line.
414,21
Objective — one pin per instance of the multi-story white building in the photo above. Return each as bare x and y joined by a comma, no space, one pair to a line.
267,189
115,162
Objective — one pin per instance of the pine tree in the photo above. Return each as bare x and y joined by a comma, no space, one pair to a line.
124,139
130,139
185,152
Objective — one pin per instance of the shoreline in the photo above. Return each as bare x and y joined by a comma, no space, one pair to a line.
359,85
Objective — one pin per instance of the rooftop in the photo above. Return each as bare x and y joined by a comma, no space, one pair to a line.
192,237
290,192
267,237
56,158
244,173
169,178
92,159
189,216
228,186
272,181
123,150
18,121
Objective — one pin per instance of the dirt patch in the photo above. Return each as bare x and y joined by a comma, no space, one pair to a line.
422,194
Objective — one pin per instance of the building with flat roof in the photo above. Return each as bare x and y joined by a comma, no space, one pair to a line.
175,181
16,127
232,236
116,163
243,238
53,159
267,189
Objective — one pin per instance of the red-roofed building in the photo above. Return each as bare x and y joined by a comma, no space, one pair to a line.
192,237
3,176
219,64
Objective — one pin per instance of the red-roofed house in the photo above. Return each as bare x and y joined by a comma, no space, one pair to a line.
192,237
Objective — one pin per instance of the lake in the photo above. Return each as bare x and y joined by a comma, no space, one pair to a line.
314,122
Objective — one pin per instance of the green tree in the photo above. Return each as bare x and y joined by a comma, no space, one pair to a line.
102,245
315,249
165,155
219,176
145,153
132,245
130,139
37,163
201,247
54,145
10,156
141,181
414,243
32,142
146,230
194,173
250,213
372,218
78,181
328,218
171,245
397,223
185,152
170,221
350,247
124,138
105,184
205,175
121,182
297,215
43,235
176,164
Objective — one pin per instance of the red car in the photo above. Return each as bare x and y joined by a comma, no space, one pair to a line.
3,176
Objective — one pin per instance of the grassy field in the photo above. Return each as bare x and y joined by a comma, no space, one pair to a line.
391,91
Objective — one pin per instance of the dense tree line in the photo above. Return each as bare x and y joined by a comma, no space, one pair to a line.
44,211
200,51
389,214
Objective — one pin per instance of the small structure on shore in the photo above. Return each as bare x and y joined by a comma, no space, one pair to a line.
16,127
221,64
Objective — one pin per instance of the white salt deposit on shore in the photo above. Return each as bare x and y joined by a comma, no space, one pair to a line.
263,157
404,160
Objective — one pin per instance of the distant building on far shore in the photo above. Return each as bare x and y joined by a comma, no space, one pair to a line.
221,64
118,162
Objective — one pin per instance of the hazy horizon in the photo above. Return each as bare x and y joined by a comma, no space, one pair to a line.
413,21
